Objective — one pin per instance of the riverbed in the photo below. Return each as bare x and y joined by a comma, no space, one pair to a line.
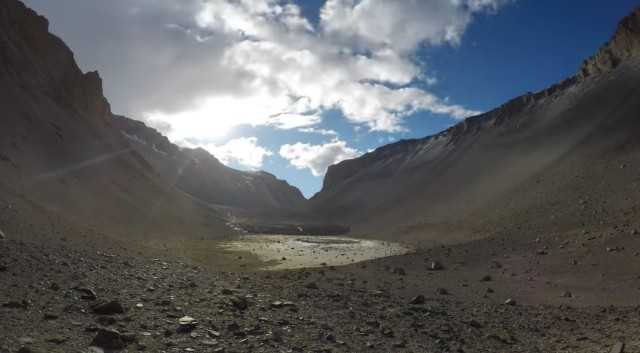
291,252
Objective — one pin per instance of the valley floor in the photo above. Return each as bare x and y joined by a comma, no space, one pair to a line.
47,301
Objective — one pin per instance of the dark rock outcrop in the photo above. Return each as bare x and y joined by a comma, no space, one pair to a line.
624,44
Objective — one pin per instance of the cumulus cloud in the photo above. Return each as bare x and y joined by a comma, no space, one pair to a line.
317,158
201,67
244,151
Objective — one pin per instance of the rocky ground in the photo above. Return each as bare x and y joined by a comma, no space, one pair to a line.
64,300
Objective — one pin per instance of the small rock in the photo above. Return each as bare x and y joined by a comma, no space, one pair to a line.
634,232
187,323
3,268
87,293
15,305
239,303
618,347
486,278
574,262
442,291
107,338
436,266
108,308
2,236
49,316
510,302
56,339
311,285
28,349
277,305
567,294
418,299
210,343
399,271
496,264
475,324
106,320
489,290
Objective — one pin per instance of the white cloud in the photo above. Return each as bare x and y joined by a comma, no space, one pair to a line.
202,67
317,158
244,151
311,130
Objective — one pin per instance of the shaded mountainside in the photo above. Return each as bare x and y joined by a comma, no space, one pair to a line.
60,146
201,175
537,161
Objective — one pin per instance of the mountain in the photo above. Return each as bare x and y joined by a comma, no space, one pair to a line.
565,158
201,175
62,149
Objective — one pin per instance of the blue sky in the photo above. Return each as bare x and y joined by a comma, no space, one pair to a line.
291,87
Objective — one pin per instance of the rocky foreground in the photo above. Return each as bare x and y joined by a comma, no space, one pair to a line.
63,300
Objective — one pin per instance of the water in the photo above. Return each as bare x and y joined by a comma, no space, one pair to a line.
312,251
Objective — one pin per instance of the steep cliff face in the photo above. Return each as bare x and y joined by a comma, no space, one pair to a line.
487,170
201,175
41,62
624,44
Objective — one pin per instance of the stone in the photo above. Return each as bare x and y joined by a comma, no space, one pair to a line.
2,236
106,320
277,305
14,305
28,349
489,290
567,294
187,324
399,271
418,299
108,308
50,316
87,293
107,338
496,264
510,302
239,303
486,278
442,291
56,339
3,268
635,232
436,266
618,347
311,285
574,262
474,323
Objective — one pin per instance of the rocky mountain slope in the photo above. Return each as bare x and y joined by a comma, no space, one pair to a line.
201,175
539,162
60,146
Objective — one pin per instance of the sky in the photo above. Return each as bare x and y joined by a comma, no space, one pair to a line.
294,86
